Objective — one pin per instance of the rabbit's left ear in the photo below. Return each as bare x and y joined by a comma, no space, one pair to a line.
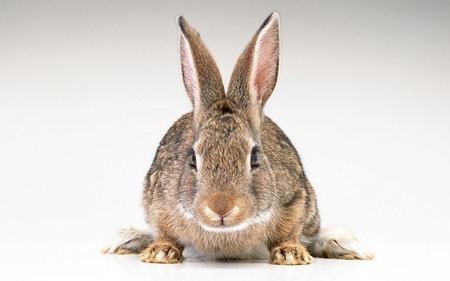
255,74
201,76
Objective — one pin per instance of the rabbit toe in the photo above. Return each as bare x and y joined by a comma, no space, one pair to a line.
161,253
290,255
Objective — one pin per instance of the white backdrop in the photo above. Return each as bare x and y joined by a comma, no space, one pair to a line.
88,89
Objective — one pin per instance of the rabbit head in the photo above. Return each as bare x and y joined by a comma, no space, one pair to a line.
229,177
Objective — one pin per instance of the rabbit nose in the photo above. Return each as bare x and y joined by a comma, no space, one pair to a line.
220,206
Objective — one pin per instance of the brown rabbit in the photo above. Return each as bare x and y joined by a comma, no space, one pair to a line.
226,182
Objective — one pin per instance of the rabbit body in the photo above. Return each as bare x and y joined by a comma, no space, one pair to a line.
226,182
280,201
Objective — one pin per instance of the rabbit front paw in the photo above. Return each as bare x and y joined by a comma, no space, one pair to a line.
290,254
162,252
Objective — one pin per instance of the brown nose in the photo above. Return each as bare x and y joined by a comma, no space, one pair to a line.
222,205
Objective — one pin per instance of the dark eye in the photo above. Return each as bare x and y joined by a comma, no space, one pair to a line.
192,160
254,158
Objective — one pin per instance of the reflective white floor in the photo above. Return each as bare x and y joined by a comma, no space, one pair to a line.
88,89
78,262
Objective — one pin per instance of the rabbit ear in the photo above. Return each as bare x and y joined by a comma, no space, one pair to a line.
256,71
201,76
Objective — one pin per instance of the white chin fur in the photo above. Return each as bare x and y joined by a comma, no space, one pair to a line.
264,217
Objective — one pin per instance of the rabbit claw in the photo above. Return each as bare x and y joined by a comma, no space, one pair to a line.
291,254
162,252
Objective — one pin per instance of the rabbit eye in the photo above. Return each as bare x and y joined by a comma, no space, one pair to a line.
254,158
192,159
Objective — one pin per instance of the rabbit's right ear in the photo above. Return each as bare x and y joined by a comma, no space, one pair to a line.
201,77
256,72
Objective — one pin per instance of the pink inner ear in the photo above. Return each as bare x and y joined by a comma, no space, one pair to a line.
265,65
188,69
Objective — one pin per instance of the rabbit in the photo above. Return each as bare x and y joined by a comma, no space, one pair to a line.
226,182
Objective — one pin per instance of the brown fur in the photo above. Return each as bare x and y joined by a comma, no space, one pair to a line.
226,181
220,130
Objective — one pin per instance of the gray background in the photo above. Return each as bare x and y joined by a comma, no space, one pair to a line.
88,89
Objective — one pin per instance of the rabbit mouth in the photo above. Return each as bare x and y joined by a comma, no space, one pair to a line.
223,224
222,219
